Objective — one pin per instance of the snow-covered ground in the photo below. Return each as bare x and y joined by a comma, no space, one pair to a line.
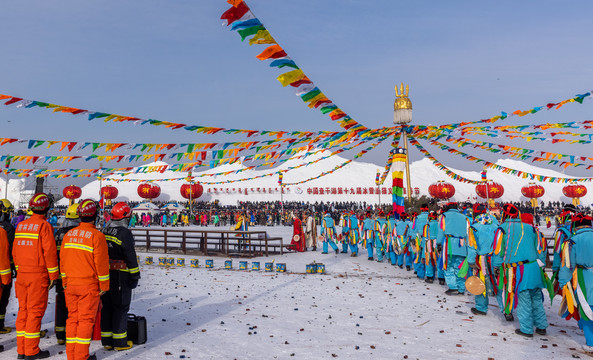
359,309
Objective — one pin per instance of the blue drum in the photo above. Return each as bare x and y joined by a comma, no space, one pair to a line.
321,268
209,264
148,260
242,265
170,261
228,264
269,267
255,266
311,268
162,261
180,262
281,267
194,263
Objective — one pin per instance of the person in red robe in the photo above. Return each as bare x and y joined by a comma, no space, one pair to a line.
298,235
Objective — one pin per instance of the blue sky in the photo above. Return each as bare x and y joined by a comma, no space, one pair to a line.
173,61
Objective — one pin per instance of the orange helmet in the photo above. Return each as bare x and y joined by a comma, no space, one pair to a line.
87,208
120,210
39,202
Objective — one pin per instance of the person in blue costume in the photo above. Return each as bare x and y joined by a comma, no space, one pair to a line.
563,233
367,236
577,268
381,235
353,234
328,230
523,251
53,220
481,260
431,252
418,226
410,241
344,220
401,237
391,239
452,234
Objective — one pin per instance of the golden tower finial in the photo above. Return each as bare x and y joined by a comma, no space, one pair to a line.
401,93
401,98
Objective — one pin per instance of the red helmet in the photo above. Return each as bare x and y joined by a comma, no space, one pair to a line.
120,210
87,208
39,202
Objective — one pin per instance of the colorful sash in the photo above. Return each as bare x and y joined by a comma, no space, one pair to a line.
330,232
418,252
445,252
395,246
575,292
471,238
367,236
493,279
512,277
498,240
559,238
380,230
483,269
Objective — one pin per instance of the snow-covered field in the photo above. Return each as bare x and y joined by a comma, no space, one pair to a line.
359,309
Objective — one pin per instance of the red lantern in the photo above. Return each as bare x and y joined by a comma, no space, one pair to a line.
71,193
149,191
109,193
441,190
533,192
574,191
489,190
191,191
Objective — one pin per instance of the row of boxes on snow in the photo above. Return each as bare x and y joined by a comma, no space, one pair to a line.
313,268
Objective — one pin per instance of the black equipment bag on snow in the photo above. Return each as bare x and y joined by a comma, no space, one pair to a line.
136,329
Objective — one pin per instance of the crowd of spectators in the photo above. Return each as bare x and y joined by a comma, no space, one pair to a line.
275,213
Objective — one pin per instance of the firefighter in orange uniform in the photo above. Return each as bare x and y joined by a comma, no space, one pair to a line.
70,222
36,262
124,278
5,271
7,210
84,263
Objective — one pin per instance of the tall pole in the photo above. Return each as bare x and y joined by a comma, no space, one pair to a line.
6,165
408,184
281,201
379,193
101,191
487,196
6,186
402,115
191,210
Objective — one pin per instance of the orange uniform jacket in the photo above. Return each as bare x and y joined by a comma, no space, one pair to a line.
84,258
34,248
5,273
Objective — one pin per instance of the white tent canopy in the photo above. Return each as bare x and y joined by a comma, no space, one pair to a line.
146,207
173,207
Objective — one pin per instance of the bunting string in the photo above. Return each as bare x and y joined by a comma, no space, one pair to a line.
382,176
521,153
240,18
23,103
311,138
439,165
530,136
451,150
506,170
62,173
325,173
520,113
